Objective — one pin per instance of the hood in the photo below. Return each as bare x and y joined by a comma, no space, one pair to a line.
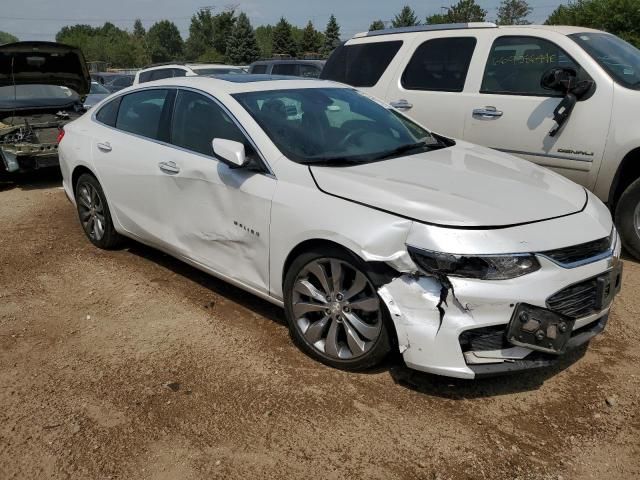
45,63
464,186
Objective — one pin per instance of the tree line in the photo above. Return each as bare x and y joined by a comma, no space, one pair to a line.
228,36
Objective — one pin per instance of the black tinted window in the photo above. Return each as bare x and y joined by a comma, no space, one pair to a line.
440,65
109,113
516,64
141,113
144,77
178,72
197,120
285,69
162,73
310,71
360,65
259,69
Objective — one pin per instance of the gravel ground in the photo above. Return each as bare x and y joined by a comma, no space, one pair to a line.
130,364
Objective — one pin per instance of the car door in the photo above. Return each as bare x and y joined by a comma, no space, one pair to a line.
512,112
126,151
213,214
430,82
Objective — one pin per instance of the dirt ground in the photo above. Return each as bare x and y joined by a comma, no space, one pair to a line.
130,364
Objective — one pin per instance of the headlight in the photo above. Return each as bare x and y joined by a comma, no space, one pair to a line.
489,267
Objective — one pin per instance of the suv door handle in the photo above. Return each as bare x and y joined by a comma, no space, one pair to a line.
170,168
401,104
487,112
105,147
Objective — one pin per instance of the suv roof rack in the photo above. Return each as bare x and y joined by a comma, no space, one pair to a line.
426,28
180,63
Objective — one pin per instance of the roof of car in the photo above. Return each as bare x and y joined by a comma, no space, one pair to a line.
231,84
158,66
289,60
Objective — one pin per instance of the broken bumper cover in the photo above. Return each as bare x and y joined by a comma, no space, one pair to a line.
465,331
21,157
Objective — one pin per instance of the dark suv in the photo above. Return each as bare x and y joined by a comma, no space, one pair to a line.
292,67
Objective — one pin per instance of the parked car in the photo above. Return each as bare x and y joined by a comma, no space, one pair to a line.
370,231
104,77
160,71
514,89
96,94
41,84
293,67
119,82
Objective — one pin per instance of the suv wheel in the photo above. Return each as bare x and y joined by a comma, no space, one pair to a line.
334,312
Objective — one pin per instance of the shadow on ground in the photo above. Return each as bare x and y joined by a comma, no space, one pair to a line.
36,180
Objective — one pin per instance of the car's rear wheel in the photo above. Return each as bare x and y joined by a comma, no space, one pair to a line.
94,213
628,218
334,312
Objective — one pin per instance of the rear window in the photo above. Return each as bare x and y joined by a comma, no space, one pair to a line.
440,65
285,69
360,65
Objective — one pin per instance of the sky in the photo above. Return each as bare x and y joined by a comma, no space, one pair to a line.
41,19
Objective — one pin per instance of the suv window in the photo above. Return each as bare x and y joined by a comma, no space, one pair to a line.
256,69
440,65
197,120
141,113
285,69
162,73
108,113
144,77
360,65
309,71
179,72
516,64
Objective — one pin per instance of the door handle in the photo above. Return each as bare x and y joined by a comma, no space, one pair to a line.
105,146
170,168
401,104
487,112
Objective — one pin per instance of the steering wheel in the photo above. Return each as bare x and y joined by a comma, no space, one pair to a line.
358,132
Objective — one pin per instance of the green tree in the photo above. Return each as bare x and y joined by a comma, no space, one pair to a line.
437,18
242,47
620,17
466,11
264,37
164,41
376,25
406,18
283,42
138,29
513,12
331,36
311,39
222,26
7,38
200,35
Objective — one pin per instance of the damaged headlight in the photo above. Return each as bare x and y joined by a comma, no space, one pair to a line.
488,267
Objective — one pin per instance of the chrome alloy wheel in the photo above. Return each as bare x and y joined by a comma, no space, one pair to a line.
91,211
336,308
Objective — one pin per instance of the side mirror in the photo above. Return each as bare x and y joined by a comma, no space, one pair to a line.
559,79
230,152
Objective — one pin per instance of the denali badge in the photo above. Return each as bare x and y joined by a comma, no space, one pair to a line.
575,152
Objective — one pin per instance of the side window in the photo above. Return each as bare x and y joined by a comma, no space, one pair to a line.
109,113
197,120
309,71
161,73
257,69
144,77
178,72
360,65
440,65
290,69
141,113
516,64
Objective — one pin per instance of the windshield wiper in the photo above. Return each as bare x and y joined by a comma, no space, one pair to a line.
400,150
330,161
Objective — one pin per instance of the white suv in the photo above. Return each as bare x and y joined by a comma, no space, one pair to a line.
513,89
170,70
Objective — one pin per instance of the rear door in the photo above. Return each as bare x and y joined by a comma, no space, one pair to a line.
213,214
510,111
127,150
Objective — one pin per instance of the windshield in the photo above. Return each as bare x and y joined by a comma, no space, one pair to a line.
619,58
339,126
218,71
36,96
96,88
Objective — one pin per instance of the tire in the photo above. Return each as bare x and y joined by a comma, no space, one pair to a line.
94,214
345,327
628,218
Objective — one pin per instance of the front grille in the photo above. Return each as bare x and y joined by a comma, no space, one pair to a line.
582,252
576,301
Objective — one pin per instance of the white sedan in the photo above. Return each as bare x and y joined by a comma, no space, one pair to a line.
372,232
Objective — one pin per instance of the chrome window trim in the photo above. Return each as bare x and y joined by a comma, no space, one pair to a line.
268,173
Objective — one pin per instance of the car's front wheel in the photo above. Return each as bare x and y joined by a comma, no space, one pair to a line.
94,213
334,312
628,218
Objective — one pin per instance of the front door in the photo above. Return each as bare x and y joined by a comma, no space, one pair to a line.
513,113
